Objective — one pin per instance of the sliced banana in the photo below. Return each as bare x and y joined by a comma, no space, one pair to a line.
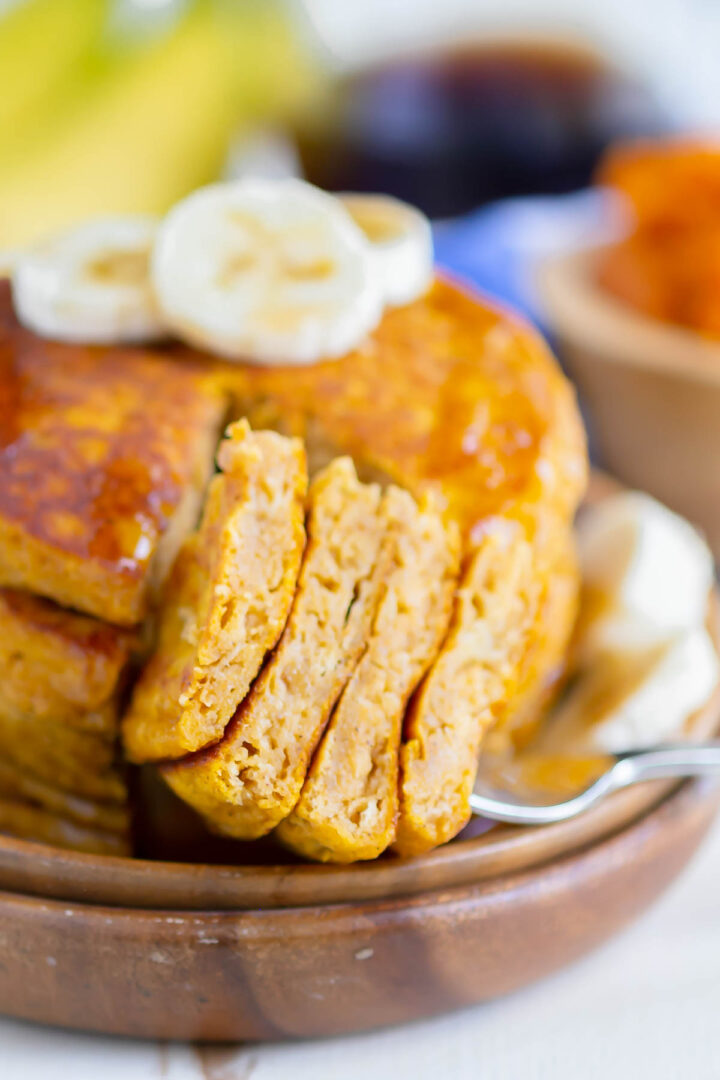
400,239
646,571
269,271
90,285
644,661
620,702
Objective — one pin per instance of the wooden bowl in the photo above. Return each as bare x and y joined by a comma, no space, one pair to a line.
651,391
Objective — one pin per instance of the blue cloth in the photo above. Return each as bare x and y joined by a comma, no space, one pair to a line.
497,248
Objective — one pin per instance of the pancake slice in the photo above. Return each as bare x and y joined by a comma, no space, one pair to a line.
251,779
348,806
545,658
228,598
474,677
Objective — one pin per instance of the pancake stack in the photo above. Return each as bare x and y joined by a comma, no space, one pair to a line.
102,472
434,600
382,573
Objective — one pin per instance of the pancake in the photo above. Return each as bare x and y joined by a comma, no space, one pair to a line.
27,822
475,678
451,397
227,600
59,664
16,784
545,660
348,806
104,457
252,778
78,762
448,394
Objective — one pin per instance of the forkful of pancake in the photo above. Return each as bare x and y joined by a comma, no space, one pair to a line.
383,579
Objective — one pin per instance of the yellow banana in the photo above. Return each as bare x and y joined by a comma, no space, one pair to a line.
42,43
156,124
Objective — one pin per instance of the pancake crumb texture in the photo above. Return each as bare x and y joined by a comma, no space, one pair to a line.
348,807
252,778
473,678
228,598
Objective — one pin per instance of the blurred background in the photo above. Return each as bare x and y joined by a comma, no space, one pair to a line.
124,105
490,115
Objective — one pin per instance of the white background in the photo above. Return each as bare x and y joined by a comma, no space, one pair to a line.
675,43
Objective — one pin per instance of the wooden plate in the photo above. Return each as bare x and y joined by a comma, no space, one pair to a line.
333,968
226,952
185,951
39,870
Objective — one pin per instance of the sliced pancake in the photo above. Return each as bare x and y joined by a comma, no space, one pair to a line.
348,806
475,676
18,784
251,779
59,664
228,598
447,394
105,454
452,396
25,821
544,661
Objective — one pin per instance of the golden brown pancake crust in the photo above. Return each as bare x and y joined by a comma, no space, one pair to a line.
100,450
447,394
60,664
227,600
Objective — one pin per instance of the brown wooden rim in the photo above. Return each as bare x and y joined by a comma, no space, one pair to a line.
41,870
687,794
585,316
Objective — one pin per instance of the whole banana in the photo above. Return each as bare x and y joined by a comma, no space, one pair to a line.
144,125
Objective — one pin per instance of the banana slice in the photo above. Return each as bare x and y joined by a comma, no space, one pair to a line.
90,285
647,574
400,239
266,271
637,699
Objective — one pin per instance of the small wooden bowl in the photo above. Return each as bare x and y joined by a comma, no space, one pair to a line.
652,391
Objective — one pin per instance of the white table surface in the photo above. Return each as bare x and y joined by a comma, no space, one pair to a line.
645,1007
